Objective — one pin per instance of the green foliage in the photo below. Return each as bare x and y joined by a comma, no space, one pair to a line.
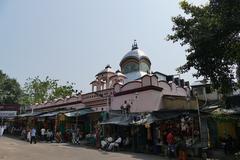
39,91
10,91
212,34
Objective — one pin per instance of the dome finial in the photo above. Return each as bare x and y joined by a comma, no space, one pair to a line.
134,46
108,66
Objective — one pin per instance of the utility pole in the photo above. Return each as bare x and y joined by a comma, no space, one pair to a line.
199,119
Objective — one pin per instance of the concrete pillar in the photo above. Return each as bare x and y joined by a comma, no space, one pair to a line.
98,87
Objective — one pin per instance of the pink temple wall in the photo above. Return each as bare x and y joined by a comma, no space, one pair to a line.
145,100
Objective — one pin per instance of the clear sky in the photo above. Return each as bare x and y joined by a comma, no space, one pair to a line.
72,40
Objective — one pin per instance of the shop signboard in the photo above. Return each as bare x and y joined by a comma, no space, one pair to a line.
4,114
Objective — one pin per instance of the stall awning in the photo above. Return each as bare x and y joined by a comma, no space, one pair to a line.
120,120
79,112
32,114
148,119
227,111
170,114
50,114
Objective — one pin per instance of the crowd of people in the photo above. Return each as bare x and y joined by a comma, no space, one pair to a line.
31,135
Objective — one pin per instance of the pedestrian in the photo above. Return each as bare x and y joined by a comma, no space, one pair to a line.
29,135
58,137
49,135
1,131
98,135
43,134
228,144
2,128
171,146
181,149
33,136
23,134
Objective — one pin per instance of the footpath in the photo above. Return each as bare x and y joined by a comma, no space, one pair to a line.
217,154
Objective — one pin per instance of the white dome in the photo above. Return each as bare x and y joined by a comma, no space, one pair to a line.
137,53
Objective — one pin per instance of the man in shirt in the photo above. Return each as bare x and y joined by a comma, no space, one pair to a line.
33,136
171,146
170,138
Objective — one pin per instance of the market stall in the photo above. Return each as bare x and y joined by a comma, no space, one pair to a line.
182,124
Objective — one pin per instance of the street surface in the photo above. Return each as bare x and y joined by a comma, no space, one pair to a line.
12,149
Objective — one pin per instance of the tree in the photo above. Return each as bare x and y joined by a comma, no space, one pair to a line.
39,91
10,90
211,33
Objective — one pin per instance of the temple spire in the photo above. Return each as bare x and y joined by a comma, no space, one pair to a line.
134,45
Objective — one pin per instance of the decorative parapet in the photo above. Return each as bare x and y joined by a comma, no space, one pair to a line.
70,100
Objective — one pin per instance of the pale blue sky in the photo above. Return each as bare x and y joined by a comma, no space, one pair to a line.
72,40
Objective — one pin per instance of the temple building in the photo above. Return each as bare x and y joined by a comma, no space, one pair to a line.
132,101
135,85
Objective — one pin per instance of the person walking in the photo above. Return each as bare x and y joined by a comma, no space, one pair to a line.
49,135
33,136
43,134
1,131
29,135
2,128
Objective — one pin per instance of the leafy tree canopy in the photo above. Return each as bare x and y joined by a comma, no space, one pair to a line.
10,90
211,33
39,91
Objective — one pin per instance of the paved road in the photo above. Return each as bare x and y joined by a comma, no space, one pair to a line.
12,149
